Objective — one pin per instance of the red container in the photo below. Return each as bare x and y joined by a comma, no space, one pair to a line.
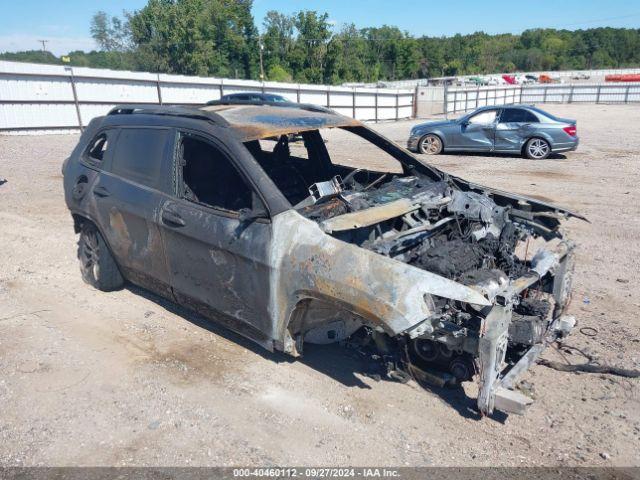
627,77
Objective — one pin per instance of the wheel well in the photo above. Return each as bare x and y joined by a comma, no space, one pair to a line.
79,221
314,313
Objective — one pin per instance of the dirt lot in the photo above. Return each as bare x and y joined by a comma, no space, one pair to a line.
125,378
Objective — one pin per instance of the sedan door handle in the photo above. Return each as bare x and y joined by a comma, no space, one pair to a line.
101,192
172,219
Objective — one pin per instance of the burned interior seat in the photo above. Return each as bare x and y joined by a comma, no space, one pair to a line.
282,169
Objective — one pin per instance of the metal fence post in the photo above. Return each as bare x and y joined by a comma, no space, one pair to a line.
626,94
75,97
375,103
571,94
397,105
158,88
414,108
445,102
221,88
544,99
598,94
298,94
328,99
353,101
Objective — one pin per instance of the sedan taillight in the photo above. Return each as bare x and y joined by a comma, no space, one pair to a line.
571,130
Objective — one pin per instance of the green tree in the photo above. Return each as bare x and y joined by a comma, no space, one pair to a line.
196,37
277,39
110,33
276,73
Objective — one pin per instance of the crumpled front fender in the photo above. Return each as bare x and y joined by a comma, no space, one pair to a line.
308,263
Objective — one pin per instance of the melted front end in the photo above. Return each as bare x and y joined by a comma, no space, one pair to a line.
508,248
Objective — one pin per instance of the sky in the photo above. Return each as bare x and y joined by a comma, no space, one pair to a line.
65,23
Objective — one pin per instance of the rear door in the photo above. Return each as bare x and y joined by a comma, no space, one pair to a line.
128,195
477,132
514,127
218,260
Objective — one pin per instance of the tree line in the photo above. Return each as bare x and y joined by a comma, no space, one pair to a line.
220,38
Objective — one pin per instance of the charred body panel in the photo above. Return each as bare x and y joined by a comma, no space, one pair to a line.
426,264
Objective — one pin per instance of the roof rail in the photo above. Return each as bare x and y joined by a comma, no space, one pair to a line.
178,111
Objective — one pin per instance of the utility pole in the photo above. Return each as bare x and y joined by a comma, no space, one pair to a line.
261,63
44,44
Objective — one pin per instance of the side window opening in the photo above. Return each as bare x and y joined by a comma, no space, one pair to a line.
516,115
209,177
484,118
97,148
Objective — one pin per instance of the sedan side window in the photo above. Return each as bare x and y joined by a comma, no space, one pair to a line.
484,118
517,115
209,178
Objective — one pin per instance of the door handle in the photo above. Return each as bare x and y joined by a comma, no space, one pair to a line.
172,219
101,192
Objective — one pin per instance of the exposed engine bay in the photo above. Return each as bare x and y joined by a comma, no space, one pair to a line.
470,238
449,282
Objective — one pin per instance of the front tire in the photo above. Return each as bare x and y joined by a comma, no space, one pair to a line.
97,265
537,149
430,144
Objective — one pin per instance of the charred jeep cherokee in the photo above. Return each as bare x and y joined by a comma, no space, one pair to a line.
255,216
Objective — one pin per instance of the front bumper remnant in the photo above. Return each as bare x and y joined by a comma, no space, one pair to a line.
496,386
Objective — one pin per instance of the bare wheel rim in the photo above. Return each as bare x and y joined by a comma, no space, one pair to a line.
431,145
538,148
89,254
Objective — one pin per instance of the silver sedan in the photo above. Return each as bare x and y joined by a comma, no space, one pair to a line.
525,130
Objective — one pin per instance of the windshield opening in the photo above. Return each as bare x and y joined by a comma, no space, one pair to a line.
309,165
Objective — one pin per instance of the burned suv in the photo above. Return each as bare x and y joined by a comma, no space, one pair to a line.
293,224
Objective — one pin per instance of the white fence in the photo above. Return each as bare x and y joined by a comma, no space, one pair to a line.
38,98
464,99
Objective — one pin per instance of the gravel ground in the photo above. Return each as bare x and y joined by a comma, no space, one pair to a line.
126,378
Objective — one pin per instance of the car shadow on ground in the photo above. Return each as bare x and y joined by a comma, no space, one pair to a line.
553,156
344,365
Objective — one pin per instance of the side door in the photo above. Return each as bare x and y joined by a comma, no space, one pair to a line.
218,253
476,132
514,127
127,196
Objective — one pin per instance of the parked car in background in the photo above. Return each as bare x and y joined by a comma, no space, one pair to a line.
580,76
253,97
522,129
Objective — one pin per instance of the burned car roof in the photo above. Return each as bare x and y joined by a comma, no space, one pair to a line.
251,121
258,121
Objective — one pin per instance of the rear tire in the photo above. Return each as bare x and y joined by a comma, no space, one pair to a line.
537,149
97,265
430,144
